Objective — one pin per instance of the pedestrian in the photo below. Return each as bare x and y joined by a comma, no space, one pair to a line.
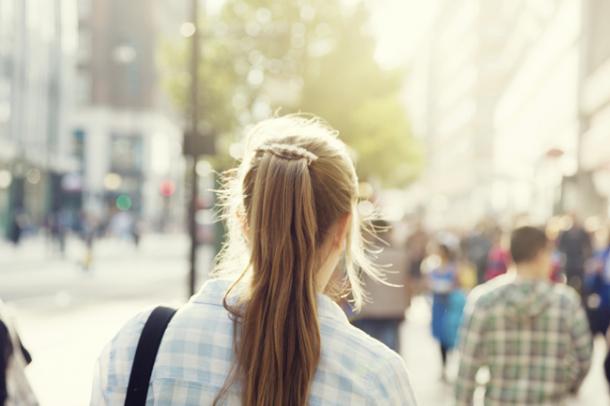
384,311
596,290
532,334
15,229
14,387
575,245
89,229
136,231
447,302
498,259
607,360
416,246
268,333
59,226
476,246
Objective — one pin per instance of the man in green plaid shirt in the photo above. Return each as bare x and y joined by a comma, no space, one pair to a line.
533,335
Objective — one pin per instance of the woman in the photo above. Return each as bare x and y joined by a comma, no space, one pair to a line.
447,302
14,358
270,334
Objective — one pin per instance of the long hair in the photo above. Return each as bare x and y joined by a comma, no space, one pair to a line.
295,182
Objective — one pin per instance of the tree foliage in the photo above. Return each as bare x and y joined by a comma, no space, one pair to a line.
312,56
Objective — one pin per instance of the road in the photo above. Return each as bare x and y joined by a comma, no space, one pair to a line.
67,315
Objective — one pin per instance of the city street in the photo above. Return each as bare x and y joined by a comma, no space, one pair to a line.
67,315
474,133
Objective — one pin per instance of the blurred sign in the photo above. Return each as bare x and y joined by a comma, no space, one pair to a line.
126,153
72,182
198,144
167,188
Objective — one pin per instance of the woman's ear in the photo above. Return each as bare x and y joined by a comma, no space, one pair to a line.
342,227
243,223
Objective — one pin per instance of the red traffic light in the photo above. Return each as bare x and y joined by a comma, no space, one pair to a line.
167,188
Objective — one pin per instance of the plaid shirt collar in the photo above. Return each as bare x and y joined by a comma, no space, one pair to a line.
213,292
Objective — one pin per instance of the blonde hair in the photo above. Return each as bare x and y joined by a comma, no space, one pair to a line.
295,182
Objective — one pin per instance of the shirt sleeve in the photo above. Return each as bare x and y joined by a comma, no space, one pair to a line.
113,367
582,346
393,386
471,354
99,380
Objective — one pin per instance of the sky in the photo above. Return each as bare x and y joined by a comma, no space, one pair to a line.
399,26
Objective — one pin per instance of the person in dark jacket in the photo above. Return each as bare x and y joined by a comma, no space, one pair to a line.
607,361
476,246
596,290
15,229
14,386
416,246
576,247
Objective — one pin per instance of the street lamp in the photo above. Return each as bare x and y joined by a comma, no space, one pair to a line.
193,142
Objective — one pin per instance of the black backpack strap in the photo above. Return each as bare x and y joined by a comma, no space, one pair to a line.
146,353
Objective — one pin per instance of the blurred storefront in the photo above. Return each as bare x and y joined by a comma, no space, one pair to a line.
595,99
126,137
37,50
456,80
528,131
127,158
536,122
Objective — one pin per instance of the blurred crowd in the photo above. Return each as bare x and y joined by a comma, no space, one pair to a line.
447,266
86,226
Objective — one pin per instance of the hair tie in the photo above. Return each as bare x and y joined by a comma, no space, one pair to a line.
289,152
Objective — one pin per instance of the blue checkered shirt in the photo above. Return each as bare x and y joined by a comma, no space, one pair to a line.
196,355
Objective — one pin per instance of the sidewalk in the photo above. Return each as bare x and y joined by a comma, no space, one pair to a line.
31,273
38,250
65,347
66,315
422,357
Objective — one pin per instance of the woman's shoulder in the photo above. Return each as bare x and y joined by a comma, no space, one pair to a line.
126,339
202,319
206,303
368,363
114,362
387,375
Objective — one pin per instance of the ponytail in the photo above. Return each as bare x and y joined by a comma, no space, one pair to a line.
294,184
279,336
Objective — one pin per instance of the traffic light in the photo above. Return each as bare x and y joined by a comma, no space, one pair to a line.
167,188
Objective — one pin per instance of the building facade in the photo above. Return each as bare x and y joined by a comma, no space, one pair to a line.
537,120
37,49
455,85
595,98
127,134
515,110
